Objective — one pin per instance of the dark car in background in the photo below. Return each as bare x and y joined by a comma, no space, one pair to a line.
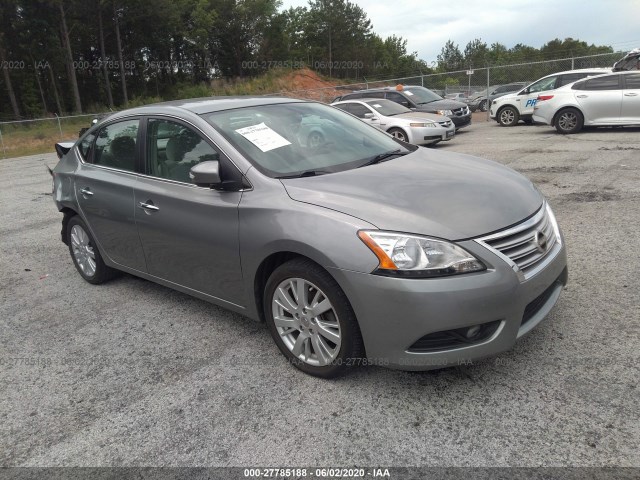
419,99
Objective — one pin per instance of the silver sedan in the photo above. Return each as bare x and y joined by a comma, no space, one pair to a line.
605,100
352,246
418,128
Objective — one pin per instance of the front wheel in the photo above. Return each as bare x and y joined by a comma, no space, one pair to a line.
483,106
311,319
569,121
85,254
399,134
508,117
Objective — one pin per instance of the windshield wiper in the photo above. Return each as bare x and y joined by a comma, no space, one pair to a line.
306,173
380,157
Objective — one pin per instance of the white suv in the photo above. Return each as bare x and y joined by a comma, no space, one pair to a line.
510,109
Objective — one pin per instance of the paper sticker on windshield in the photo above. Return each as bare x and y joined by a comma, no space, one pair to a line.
376,105
263,137
408,93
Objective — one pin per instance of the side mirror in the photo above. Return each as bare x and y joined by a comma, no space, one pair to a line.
368,116
205,174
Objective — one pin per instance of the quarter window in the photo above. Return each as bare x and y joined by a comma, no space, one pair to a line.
85,145
172,149
116,145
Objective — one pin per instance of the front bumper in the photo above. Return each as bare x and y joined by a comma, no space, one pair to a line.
427,136
395,313
461,121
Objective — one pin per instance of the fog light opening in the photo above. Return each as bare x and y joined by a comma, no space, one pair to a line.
473,332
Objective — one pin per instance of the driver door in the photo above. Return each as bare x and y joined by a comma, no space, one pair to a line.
189,234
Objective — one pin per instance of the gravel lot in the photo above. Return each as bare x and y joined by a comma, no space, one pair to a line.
132,373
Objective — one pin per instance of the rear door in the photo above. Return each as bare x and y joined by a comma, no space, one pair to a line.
189,233
600,99
104,185
631,99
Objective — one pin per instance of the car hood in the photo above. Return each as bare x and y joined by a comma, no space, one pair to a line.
440,194
444,104
420,116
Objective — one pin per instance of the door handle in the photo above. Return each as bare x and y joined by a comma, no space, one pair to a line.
582,96
86,191
631,94
148,206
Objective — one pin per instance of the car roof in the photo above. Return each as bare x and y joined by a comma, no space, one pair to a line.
385,89
209,104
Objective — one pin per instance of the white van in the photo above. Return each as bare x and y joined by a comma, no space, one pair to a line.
510,109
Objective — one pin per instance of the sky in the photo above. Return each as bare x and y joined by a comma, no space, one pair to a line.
428,24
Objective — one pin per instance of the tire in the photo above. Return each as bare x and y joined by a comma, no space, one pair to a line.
324,345
399,134
569,121
528,121
85,254
508,117
483,106
315,139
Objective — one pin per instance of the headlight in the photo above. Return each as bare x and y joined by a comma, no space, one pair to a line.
429,125
444,112
415,256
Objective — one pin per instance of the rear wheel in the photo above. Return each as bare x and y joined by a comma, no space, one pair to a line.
569,121
85,254
399,134
508,117
311,320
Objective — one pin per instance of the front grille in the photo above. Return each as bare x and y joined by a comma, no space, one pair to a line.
526,244
445,124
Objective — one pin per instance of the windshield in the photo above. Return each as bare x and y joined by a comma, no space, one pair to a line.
297,138
421,95
387,107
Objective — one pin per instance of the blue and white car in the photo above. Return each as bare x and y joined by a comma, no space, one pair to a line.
510,109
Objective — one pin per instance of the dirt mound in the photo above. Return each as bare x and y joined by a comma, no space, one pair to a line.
306,83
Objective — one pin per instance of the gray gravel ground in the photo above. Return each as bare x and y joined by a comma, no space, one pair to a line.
132,373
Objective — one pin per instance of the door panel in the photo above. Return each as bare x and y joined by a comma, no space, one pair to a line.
189,233
600,99
107,204
192,237
631,99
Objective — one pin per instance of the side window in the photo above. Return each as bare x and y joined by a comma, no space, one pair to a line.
358,110
85,145
544,84
396,97
172,149
352,96
632,80
610,82
568,78
373,95
116,145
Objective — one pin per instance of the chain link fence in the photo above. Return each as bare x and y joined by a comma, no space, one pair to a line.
473,83
28,137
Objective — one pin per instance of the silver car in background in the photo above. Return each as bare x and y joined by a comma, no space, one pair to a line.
354,249
605,100
418,128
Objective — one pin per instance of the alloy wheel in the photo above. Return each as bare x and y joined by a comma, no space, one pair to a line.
567,121
83,252
306,321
